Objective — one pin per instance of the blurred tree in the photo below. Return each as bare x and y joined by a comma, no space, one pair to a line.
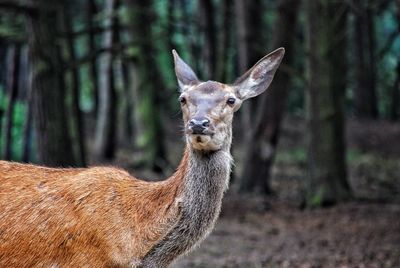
54,140
326,183
395,92
260,150
151,141
208,27
91,12
27,131
76,117
126,113
12,91
395,101
365,99
171,24
225,39
105,142
251,44
3,69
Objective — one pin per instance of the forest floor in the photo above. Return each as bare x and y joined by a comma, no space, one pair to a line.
348,235
276,231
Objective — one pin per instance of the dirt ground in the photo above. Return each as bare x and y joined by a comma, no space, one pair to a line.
348,235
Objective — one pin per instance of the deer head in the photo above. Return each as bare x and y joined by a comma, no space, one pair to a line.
208,107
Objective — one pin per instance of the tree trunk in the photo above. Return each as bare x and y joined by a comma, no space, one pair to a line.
171,7
105,141
3,63
91,11
395,100
54,141
365,99
208,27
76,118
326,183
150,82
12,91
251,47
126,112
264,139
27,131
242,58
225,42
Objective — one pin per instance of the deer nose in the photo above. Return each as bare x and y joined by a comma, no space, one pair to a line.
198,126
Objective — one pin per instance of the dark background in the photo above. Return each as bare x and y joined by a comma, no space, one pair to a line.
317,175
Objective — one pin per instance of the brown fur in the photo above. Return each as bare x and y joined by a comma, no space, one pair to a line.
67,217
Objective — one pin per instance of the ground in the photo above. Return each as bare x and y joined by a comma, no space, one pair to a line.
349,235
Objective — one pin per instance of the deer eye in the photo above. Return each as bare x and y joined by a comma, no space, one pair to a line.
182,100
231,101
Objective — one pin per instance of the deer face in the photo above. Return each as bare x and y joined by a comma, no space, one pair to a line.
208,107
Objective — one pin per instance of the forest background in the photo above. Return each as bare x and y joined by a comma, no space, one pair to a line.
317,174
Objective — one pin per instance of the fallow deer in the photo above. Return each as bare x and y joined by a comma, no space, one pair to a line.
103,217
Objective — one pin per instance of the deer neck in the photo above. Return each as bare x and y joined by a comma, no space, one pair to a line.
206,176
201,181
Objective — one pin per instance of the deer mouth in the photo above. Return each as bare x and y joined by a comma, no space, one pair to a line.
205,132
203,142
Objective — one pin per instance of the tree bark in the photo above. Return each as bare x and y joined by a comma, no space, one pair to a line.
251,47
208,27
126,112
12,91
150,82
225,42
76,118
105,141
27,131
91,11
54,141
395,100
3,63
171,7
262,144
365,99
326,183
242,58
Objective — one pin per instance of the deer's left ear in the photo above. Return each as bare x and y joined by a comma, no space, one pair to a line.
256,80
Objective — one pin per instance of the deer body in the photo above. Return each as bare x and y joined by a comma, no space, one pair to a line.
103,217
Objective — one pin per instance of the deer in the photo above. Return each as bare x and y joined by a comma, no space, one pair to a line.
104,217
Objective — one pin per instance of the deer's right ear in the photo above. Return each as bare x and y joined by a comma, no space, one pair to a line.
256,80
185,75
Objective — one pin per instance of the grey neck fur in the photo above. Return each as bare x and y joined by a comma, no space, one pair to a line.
204,185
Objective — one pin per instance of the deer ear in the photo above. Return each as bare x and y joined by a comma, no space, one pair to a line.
256,80
185,75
